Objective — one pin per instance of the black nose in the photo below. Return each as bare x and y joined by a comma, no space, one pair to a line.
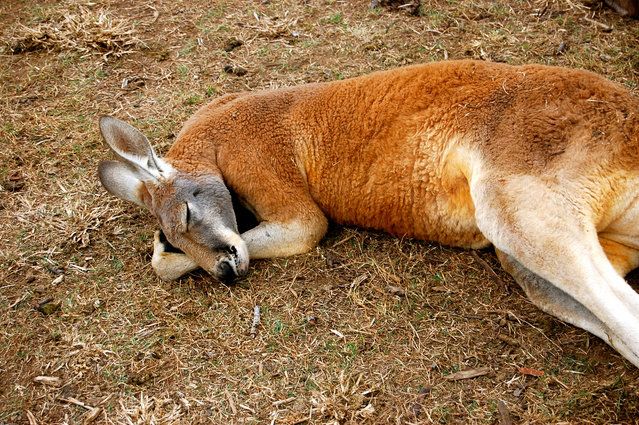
225,272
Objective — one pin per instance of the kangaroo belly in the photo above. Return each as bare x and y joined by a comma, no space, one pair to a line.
417,189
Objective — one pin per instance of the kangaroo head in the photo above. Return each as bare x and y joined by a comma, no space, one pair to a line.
194,210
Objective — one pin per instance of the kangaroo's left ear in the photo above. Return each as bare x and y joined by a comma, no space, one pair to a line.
137,166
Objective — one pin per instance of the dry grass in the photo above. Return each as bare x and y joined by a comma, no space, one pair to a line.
82,32
364,329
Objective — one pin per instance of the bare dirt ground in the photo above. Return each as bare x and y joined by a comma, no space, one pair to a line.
365,329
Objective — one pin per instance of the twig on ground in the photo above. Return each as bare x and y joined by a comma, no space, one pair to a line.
604,27
256,320
229,398
343,241
48,380
75,401
31,418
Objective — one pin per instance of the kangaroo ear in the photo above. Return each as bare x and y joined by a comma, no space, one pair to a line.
124,181
130,146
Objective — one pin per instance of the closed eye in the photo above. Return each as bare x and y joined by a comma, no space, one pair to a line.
188,217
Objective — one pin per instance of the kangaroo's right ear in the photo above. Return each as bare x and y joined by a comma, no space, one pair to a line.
125,182
131,146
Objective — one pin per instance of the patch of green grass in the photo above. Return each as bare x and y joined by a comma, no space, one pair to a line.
308,44
77,148
278,326
435,18
117,264
442,414
188,48
215,10
22,234
421,314
577,364
39,14
448,371
210,91
194,99
351,349
183,71
472,406
10,129
263,51
376,11
115,372
336,19
575,402
499,10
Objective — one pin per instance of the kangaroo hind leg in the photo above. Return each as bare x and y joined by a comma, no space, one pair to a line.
556,302
557,258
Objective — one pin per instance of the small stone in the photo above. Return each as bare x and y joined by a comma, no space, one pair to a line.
562,48
235,70
232,44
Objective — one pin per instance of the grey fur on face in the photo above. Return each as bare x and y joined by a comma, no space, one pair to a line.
209,208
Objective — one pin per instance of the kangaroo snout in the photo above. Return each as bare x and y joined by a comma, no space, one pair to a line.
226,271
234,264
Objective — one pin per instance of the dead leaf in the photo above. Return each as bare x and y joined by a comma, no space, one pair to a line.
338,333
531,372
468,374
508,340
396,290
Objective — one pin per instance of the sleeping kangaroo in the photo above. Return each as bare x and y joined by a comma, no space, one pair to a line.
541,162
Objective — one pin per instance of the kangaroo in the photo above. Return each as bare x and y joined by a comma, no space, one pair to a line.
541,162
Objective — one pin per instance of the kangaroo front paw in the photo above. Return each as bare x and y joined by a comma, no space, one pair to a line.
162,244
168,262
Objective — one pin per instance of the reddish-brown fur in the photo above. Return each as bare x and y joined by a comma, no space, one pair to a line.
399,161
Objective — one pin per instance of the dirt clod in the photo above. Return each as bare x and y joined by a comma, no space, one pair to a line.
13,182
235,70
232,44
48,306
